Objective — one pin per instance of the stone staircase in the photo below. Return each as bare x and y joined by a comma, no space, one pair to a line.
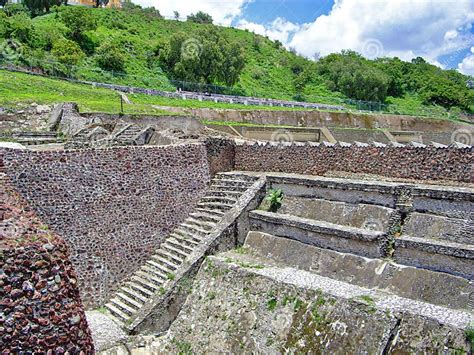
190,240
130,135
36,138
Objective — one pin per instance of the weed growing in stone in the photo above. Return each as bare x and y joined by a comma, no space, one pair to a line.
272,303
470,333
171,276
275,197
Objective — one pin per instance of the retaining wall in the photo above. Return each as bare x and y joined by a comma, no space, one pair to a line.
112,206
40,307
427,163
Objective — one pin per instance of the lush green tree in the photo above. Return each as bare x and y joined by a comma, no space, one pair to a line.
353,75
67,52
20,27
109,56
176,15
13,9
37,7
200,17
206,56
78,20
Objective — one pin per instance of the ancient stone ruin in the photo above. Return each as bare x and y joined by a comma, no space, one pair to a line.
150,236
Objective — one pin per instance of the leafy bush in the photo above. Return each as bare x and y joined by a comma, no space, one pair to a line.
20,27
275,197
78,20
110,57
67,52
200,17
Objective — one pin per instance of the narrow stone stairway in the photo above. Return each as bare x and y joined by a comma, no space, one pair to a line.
150,280
128,135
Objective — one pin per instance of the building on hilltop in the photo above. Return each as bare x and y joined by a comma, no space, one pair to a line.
91,3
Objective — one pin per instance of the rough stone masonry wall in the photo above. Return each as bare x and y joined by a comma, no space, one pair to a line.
408,162
40,307
112,206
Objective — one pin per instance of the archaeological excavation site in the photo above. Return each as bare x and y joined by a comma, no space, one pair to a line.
340,234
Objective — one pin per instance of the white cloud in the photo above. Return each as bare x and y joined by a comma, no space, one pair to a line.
280,29
406,28
467,65
223,12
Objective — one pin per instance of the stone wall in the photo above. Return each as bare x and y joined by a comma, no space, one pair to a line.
113,206
427,163
40,307
220,154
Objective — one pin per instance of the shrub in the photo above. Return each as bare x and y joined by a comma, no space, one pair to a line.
67,52
110,57
200,17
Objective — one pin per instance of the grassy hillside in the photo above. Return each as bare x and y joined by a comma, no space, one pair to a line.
270,70
19,89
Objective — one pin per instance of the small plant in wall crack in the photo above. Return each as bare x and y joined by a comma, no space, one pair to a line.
275,198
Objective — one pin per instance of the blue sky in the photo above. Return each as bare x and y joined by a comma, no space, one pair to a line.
441,31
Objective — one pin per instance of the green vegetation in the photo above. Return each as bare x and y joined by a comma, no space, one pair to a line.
470,334
275,198
137,47
272,303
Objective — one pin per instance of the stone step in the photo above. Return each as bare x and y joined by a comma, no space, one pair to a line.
175,251
192,228
172,259
219,206
452,258
165,262
133,301
227,200
155,272
186,237
150,277
117,312
210,212
224,193
189,233
180,245
223,187
133,294
139,288
319,233
206,225
145,283
230,183
165,269
209,217
234,176
123,306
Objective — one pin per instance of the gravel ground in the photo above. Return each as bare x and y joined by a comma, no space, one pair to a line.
105,332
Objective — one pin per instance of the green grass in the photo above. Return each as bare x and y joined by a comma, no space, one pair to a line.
21,88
